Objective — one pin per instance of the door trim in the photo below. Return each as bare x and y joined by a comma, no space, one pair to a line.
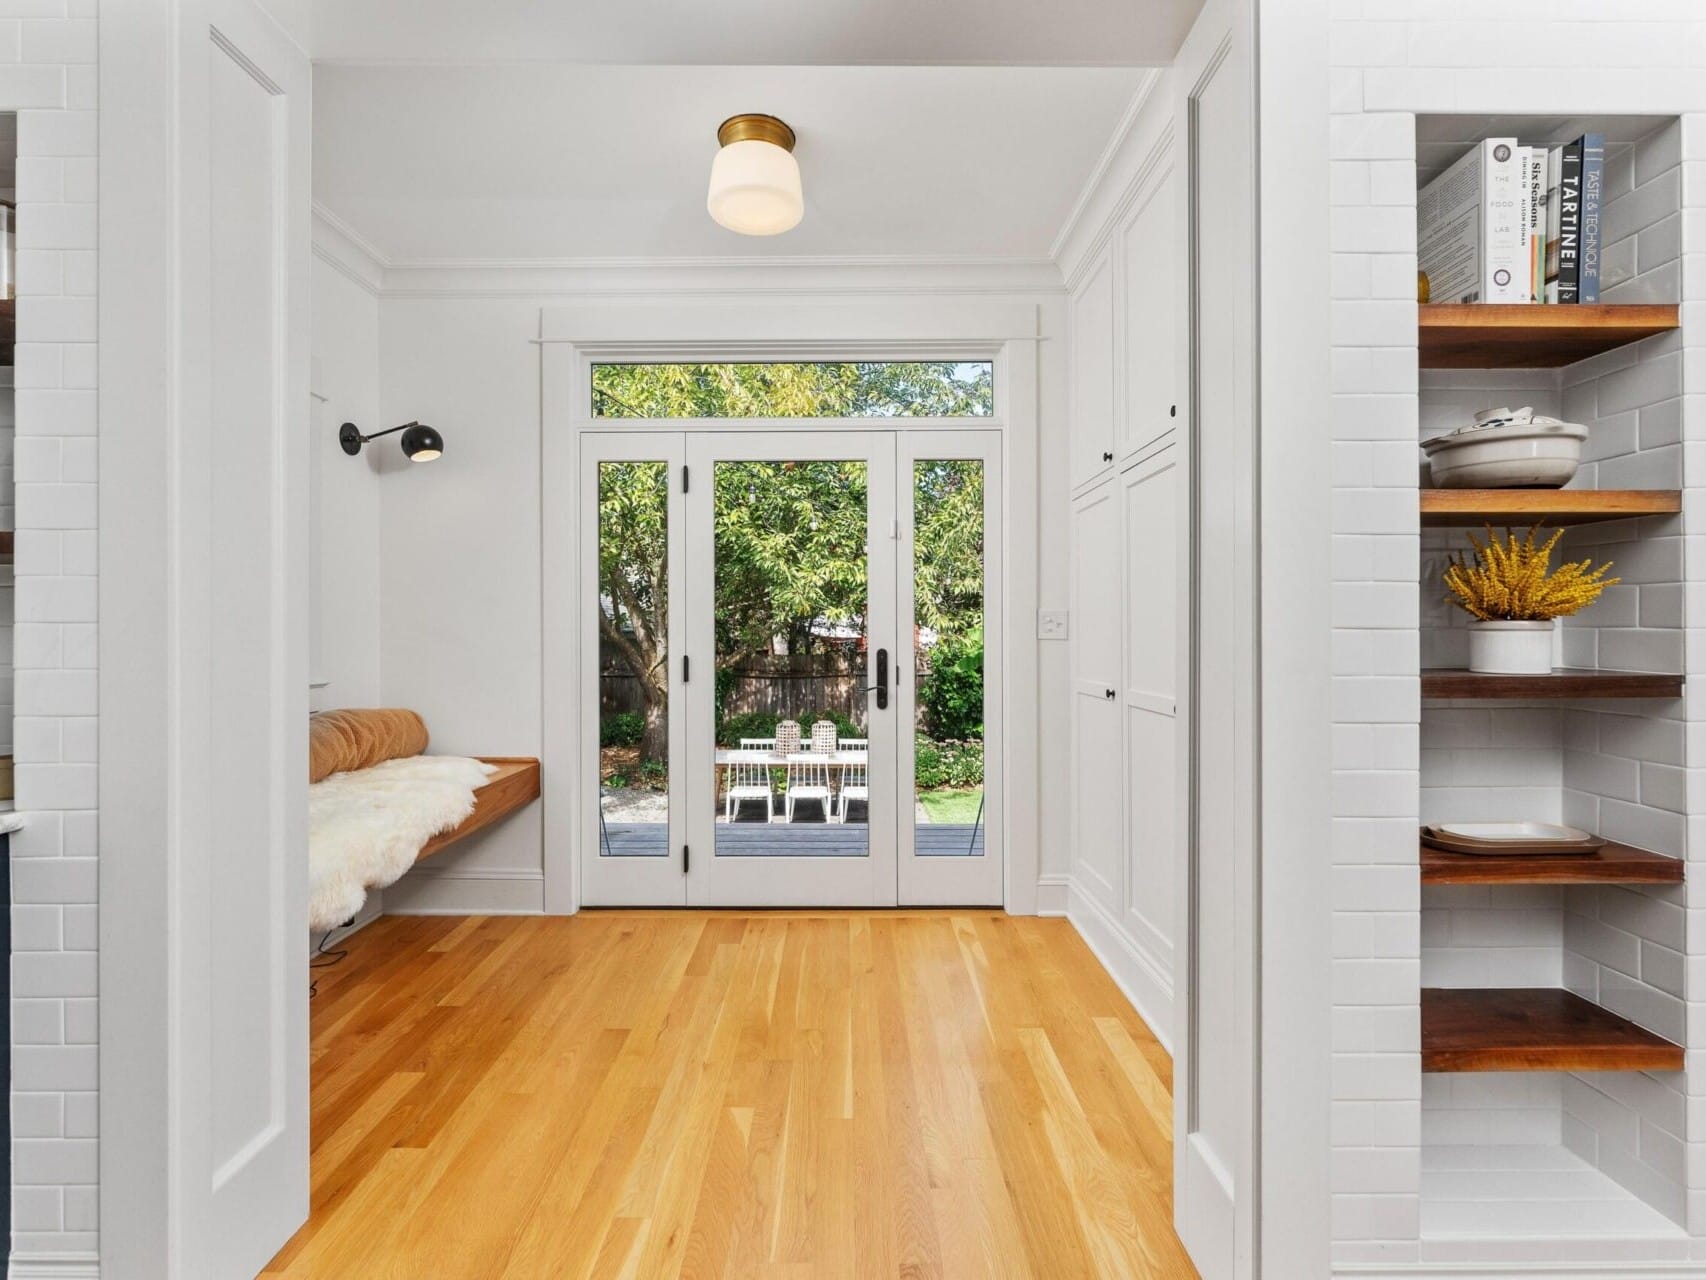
572,336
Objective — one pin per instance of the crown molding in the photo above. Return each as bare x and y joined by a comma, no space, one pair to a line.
1116,142
341,247
346,250
630,277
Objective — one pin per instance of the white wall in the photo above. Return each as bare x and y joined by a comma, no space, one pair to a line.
460,538
345,597
54,1058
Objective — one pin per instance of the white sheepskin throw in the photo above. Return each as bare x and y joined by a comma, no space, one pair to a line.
365,828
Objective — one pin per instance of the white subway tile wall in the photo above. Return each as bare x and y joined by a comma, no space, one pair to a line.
1640,769
47,72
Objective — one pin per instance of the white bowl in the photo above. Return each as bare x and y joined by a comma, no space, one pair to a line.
1506,450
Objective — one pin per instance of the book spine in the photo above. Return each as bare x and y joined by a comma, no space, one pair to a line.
1504,231
1554,164
1593,192
1537,222
1570,222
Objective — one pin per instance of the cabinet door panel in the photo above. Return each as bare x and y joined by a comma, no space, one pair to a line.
1097,776
1151,578
1150,261
1093,373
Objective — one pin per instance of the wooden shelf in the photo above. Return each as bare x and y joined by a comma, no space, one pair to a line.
1472,508
1566,682
1530,336
513,786
1611,864
1534,1029
8,329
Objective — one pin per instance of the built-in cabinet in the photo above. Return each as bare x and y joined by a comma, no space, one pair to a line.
1091,333
1124,337
1126,322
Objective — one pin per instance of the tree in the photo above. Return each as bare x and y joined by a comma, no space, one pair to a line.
633,576
790,536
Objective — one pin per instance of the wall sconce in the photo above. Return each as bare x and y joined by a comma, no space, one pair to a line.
420,442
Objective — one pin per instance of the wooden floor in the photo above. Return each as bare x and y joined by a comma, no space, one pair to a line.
782,1096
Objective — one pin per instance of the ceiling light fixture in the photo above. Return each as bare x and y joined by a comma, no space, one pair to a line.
755,180
420,442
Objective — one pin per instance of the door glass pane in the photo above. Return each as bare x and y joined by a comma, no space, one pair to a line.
633,659
947,587
793,753
824,389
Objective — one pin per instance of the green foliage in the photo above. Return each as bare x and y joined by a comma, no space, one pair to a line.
815,390
790,549
946,764
762,724
617,780
654,773
952,693
947,513
621,729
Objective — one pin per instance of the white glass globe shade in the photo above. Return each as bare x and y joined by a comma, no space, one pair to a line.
755,189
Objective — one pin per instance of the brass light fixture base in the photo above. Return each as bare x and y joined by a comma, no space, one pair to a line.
761,128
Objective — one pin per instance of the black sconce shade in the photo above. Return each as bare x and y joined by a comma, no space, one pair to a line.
421,443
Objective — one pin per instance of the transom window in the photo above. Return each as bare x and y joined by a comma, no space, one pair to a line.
822,389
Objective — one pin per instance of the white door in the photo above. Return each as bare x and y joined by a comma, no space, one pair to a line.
1216,1069
733,579
769,515
220,1148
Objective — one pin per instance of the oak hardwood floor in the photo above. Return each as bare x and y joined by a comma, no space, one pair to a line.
785,1096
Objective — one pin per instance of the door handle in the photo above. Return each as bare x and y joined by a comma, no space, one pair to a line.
881,687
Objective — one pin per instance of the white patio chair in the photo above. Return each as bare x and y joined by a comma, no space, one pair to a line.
855,783
749,779
808,779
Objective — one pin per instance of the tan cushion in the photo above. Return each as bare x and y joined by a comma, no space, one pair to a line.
359,738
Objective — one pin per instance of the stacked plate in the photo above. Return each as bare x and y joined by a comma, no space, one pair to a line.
1504,839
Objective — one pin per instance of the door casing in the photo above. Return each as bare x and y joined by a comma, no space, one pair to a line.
573,338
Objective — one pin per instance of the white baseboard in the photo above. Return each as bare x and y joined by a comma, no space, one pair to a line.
497,891
54,1266
1134,971
1053,889
1675,1270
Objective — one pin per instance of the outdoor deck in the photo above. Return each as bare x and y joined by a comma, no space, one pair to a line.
798,839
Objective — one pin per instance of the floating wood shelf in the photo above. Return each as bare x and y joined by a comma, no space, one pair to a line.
8,329
1531,336
1534,1029
1566,682
1611,864
6,545
1472,508
513,786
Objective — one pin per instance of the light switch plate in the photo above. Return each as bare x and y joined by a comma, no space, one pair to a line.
1051,624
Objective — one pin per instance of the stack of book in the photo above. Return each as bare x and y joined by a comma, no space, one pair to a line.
1511,223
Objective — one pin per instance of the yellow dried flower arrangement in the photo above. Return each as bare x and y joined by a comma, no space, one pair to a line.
1511,579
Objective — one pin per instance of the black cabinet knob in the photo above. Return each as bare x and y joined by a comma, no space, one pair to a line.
1107,457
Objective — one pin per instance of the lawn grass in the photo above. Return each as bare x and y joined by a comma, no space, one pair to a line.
947,805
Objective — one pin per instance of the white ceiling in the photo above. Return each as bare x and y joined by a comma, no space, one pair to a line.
754,32
551,161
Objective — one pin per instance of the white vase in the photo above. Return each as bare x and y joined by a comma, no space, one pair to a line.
1511,648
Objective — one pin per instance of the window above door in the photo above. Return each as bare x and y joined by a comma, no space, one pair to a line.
816,389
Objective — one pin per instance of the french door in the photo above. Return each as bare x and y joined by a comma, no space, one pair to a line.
785,633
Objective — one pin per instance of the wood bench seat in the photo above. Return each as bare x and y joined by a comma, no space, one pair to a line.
514,786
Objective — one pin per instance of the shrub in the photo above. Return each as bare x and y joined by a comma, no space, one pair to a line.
762,724
622,729
747,724
947,764
952,693
616,780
